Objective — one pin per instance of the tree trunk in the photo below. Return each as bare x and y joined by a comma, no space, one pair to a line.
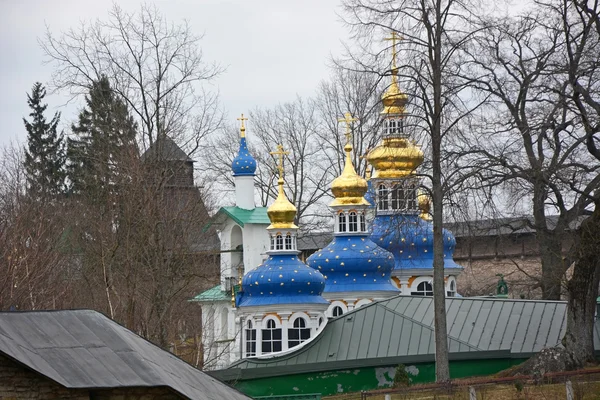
442,367
583,291
553,268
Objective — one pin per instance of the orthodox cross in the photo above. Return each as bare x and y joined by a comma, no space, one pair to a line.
281,153
348,120
242,128
394,38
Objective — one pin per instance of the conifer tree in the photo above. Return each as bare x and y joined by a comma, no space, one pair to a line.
103,136
44,154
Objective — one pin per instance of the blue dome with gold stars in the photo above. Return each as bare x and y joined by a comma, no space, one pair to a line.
282,279
354,263
410,239
243,163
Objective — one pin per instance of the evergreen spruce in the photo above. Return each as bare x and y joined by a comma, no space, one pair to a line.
44,154
103,138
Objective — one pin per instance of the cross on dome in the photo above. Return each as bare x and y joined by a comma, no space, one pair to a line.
394,37
348,120
242,128
281,153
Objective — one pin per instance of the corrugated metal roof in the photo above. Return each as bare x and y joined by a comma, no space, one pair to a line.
401,329
242,217
84,349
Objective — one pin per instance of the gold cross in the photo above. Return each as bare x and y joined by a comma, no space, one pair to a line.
348,120
393,38
242,128
281,153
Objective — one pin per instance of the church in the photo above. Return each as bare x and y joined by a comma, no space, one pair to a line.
345,317
271,302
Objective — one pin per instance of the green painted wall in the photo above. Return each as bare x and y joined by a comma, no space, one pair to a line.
354,380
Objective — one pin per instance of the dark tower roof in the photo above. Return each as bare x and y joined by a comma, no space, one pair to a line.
165,149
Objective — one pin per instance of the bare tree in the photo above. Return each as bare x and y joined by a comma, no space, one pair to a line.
581,30
36,272
156,67
532,140
295,125
357,93
432,32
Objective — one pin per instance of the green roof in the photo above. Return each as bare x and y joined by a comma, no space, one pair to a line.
242,217
400,330
213,294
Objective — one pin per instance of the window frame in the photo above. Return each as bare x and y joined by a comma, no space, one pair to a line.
250,337
342,227
272,337
298,334
383,201
424,289
278,241
353,221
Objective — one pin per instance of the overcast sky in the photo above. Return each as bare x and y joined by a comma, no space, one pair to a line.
272,50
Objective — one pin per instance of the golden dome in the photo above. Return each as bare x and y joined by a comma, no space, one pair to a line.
396,157
282,212
424,205
349,188
394,101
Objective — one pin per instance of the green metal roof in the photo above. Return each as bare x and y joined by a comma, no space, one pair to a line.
212,294
400,330
242,217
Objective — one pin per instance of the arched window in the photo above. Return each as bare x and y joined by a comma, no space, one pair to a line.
395,193
385,126
341,222
272,242
271,338
352,221
363,224
452,291
424,289
337,311
392,126
250,339
401,197
288,241
411,197
382,193
299,333
279,242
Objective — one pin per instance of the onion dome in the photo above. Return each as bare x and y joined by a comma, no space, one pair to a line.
410,239
243,164
354,263
349,188
282,212
282,279
396,157
394,101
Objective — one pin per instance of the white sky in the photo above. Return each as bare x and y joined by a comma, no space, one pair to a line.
272,49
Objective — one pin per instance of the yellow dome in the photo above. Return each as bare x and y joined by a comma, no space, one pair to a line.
349,188
424,205
396,157
282,212
394,101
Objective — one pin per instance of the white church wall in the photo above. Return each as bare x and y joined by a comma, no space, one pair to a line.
256,244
